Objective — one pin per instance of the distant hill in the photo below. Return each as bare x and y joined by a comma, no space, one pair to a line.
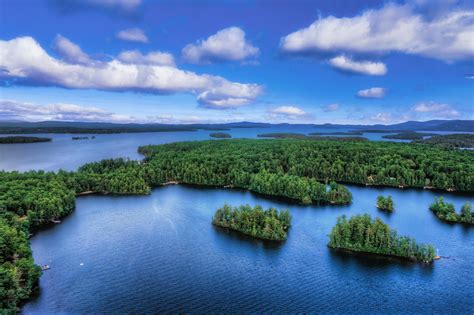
22,127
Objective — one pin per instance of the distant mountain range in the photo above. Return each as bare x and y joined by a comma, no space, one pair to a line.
18,127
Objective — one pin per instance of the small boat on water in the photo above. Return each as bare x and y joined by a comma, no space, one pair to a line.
45,267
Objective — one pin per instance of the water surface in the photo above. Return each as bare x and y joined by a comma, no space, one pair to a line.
160,253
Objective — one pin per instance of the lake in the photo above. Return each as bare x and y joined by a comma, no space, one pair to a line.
65,153
160,253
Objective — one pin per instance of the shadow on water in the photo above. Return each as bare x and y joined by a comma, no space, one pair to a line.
369,261
236,236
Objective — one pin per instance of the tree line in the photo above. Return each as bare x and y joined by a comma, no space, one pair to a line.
269,224
362,234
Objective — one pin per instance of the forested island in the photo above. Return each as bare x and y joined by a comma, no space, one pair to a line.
269,224
303,170
460,140
409,135
220,135
362,234
385,203
21,139
446,211
338,133
283,135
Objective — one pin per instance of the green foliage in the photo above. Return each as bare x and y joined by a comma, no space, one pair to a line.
361,233
265,224
385,203
461,140
220,135
446,211
233,162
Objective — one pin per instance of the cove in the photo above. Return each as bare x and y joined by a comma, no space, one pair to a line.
160,253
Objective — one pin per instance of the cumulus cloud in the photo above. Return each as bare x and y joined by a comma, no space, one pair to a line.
23,60
434,109
345,63
13,110
375,92
226,45
153,58
332,108
289,111
132,35
392,28
71,52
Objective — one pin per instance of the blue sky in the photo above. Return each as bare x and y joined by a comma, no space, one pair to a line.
219,61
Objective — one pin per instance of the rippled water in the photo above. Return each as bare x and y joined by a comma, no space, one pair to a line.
160,253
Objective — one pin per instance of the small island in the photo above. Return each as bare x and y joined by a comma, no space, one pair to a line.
446,212
385,203
220,135
409,135
362,234
337,133
83,138
21,139
264,224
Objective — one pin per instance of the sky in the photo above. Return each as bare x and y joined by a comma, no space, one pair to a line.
293,61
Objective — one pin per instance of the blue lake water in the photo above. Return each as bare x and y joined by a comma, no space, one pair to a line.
160,253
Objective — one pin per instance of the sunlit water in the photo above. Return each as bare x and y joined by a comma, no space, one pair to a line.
160,253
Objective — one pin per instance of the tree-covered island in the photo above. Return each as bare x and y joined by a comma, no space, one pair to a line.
220,135
385,203
303,170
362,234
269,224
446,211
22,139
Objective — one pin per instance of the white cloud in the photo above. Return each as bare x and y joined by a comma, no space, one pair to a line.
332,108
288,111
71,52
226,45
375,92
116,4
153,58
382,117
433,109
133,35
363,67
25,61
392,28
13,110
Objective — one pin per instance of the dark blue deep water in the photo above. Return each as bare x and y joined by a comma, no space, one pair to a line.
160,253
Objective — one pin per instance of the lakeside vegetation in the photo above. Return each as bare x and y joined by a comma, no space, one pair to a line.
235,162
269,224
337,133
385,203
220,135
305,170
446,212
300,136
409,135
362,234
461,140
21,139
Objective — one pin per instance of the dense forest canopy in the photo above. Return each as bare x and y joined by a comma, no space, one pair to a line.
22,139
232,162
269,224
362,234
461,140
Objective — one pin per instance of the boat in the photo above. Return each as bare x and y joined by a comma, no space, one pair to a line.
45,267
